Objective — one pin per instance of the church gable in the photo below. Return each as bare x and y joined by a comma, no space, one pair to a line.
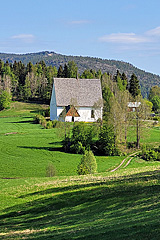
69,111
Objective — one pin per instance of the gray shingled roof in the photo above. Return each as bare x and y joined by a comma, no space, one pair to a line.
86,92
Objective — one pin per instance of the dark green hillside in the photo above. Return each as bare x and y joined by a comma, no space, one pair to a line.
147,80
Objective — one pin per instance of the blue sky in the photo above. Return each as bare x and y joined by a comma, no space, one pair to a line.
127,30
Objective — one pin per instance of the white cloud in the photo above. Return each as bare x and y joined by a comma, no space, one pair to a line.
132,38
27,38
123,38
154,32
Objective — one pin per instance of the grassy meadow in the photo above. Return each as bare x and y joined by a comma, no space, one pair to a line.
122,205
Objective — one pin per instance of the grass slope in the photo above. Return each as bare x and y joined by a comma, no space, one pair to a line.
27,149
116,206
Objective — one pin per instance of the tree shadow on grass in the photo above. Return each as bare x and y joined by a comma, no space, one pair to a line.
141,177
54,148
105,210
29,121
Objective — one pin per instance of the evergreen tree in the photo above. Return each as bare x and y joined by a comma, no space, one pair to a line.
29,68
98,74
87,74
44,67
124,81
60,72
65,71
119,83
134,86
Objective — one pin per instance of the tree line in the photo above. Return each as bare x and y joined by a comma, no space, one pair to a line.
35,81
29,82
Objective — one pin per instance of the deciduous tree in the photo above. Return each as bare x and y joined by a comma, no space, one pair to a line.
88,164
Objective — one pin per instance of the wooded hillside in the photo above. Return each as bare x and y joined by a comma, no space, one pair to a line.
147,80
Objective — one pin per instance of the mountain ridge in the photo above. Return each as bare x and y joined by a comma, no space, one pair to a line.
147,79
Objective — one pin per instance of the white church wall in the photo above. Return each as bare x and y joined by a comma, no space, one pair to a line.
53,106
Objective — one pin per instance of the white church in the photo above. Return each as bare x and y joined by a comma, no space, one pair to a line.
76,100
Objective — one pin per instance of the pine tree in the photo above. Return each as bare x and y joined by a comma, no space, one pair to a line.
60,72
65,71
134,86
124,81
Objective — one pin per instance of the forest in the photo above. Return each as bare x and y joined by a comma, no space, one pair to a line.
35,81
146,79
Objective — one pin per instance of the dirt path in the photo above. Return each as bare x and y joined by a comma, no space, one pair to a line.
124,160
128,162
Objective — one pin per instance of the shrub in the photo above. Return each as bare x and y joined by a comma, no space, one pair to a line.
38,118
59,124
43,122
50,170
106,142
131,145
77,148
82,137
88,164
47,113
149,154
49,125
66,143
156,118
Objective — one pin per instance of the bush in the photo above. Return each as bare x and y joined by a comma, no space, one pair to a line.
156,118
49,125
150,154
59,124
50,170
54,123
47,113
88,164
5,100
77,148
82,137
131,144
38,118
106,142
43,122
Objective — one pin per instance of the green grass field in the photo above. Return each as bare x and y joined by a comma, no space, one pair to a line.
27,149
119,205
116,206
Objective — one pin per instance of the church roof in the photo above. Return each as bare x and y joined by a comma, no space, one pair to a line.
77,92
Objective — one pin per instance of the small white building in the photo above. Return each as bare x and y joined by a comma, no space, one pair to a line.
132,106
76,100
